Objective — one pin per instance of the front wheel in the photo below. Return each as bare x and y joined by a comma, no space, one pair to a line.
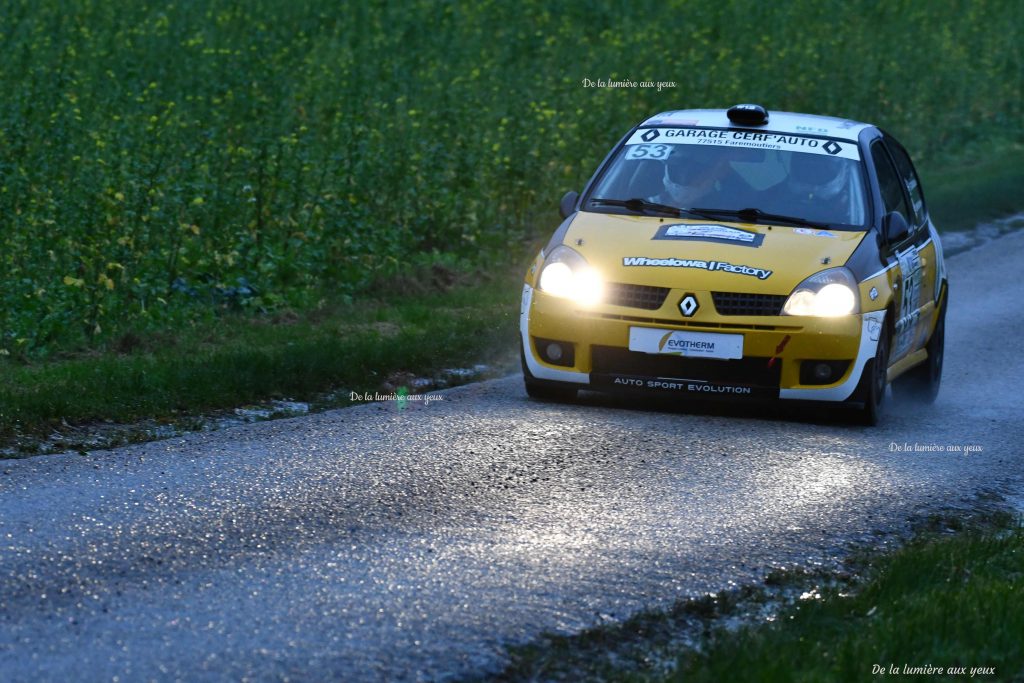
873,381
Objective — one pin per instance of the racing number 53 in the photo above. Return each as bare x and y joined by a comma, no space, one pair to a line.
647,152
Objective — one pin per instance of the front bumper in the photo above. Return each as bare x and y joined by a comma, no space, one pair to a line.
774,349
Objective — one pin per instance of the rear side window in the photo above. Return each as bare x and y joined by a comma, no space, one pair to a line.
889,182
910,181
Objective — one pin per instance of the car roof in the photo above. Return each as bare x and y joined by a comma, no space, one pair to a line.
778,121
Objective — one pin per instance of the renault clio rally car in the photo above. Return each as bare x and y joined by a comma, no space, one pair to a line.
742,254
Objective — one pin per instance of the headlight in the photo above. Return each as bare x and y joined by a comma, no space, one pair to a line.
828,294
566,274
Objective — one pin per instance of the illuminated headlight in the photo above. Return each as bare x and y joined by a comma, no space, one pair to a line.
828,294
566,274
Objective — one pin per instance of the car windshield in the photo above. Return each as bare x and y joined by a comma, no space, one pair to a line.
811,180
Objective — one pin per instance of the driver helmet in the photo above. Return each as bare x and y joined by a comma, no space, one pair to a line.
689,164
691,171
819,176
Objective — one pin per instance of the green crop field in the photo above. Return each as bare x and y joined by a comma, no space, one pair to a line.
164,163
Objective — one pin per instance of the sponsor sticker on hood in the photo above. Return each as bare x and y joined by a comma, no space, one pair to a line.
759,273
816,233
709,233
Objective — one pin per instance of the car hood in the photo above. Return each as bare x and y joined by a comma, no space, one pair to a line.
704,254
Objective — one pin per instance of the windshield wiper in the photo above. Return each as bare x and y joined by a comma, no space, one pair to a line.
753,215
638,205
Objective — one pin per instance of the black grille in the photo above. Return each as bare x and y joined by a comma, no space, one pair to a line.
750,371
735,303
635,296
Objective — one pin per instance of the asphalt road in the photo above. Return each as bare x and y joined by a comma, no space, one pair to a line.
378,543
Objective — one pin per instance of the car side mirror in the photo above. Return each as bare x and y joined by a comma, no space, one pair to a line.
896,227
568,203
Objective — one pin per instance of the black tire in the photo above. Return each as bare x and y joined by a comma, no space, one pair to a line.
922,383
873,381
544,390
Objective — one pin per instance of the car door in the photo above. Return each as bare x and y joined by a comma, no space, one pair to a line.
905,277
928,252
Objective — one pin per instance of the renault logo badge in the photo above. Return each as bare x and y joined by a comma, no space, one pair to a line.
688,306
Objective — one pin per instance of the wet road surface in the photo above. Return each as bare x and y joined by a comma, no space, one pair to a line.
378,543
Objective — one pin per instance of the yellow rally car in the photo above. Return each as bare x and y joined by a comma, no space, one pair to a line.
742,254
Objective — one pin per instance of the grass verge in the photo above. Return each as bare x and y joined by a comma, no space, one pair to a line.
963,192
238,360
942,601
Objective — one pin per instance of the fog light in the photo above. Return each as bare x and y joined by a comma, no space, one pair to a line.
555,352
822,372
